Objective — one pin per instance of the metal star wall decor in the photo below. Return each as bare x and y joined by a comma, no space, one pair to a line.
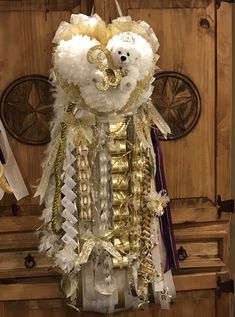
26,109
178,100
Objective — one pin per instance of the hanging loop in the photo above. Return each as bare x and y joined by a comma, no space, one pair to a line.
119,8
92,10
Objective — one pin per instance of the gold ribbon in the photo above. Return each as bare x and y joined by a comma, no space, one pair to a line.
3,182
91,242
82,129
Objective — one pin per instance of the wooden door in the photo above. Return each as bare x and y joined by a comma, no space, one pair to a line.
193,91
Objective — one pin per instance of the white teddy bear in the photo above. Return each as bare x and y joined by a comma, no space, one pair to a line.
133,53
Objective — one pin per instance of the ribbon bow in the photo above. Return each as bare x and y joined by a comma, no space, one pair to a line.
156,202
91,242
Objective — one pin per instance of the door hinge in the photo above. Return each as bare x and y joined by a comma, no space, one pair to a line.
224,206
224,287
218,2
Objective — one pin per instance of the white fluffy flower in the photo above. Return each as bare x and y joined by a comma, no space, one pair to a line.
66,258
70,60
46,215
48,243
156,202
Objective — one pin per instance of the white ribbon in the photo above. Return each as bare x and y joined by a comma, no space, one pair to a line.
70,196
158,120
11,168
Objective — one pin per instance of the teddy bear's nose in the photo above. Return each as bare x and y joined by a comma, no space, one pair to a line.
123,58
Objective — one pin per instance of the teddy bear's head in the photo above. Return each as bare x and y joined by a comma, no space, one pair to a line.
124,54
131,49
123,50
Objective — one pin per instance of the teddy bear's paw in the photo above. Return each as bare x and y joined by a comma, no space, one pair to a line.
98,77
127,84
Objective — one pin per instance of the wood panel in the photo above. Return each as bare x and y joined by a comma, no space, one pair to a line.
108,11
18,241
138,4
206,245
39,5
103,9
29,291
45,308
225,304
19,224
189,304
224,100
193,210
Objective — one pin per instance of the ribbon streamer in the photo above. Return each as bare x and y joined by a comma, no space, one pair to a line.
11,168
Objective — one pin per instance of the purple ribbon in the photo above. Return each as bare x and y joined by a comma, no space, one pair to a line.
165,220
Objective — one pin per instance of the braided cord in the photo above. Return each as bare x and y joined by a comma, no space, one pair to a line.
57,174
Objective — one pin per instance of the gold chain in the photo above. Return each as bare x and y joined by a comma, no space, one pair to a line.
84,176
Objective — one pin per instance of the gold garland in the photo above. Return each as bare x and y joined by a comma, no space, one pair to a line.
147,272
3,181
134,205
120,187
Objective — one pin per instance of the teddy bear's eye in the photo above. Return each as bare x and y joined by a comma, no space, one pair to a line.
119,52
128,54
